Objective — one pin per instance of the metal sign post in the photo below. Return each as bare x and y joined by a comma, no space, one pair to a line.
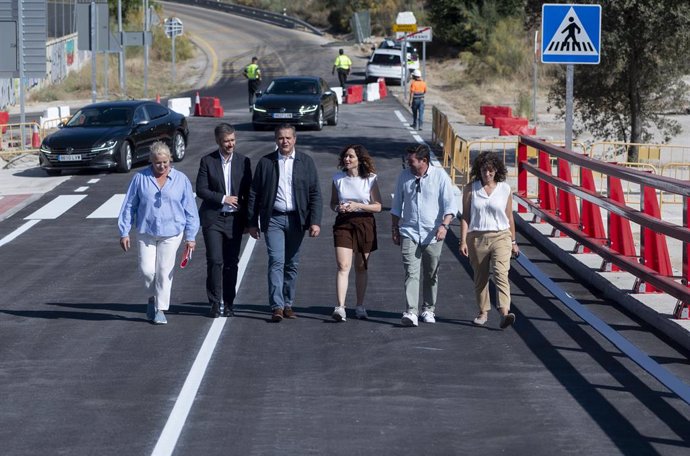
405,28
173,28
571,34
94,52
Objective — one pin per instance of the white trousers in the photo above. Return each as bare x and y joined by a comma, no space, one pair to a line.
157,262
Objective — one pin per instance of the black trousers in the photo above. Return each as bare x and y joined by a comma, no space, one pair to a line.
223,241
253,86
342,77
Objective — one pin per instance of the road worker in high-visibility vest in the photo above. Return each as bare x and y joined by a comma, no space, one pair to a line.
342,64
417,92
253,74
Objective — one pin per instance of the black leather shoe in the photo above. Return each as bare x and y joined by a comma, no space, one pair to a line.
228,312
215,311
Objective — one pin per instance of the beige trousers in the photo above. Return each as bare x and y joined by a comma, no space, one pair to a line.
489,249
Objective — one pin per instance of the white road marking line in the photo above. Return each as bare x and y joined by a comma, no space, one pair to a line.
56,208
92,181
81,189
14,234
401,118
173,427
109,209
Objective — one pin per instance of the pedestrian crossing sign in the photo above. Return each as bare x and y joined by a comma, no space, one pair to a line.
571,34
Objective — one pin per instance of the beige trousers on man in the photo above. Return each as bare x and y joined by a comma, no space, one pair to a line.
487,249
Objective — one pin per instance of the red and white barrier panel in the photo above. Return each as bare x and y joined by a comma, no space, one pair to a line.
355,94
209,107
372,92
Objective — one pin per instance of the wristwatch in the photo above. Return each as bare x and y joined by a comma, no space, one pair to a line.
446,226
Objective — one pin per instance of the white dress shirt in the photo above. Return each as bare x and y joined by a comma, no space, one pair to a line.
284,201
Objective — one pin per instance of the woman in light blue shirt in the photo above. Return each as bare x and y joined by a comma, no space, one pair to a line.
160,202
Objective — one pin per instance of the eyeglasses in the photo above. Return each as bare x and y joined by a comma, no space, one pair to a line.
418,185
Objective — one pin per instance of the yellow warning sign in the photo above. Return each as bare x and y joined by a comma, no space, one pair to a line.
407,28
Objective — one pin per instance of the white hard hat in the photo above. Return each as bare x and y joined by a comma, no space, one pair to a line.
416,74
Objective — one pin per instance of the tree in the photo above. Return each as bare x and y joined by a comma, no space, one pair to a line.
127,6
639,76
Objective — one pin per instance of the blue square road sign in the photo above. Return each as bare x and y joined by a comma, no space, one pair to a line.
571,33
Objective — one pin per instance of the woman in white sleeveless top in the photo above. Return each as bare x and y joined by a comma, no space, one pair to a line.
487,233
355,196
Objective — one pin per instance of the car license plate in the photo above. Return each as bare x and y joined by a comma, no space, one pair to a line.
69,158
282,115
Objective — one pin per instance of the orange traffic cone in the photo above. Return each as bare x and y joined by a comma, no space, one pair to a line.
35,138
158,98
197,105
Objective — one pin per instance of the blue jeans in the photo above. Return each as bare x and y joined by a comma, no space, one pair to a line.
417,112
283,240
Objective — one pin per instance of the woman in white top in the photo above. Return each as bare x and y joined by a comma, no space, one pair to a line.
355,196
487,233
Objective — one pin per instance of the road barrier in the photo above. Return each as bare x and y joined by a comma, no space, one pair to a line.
355,94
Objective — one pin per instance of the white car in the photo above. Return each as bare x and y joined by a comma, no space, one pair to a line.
412,54
385,63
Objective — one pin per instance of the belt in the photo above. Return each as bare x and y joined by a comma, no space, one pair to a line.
226,214
275,212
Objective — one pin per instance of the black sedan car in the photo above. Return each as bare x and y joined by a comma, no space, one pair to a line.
297,100
113,134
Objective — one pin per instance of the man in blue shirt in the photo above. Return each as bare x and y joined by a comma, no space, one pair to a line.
423,207
161,202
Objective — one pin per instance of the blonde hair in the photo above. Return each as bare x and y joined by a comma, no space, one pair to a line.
158,149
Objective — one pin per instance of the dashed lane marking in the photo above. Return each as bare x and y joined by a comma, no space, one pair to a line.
81,189
109,209
56,208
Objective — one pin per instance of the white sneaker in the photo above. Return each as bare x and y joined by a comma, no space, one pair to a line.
361,313
409,319
339,314
428,317
160,319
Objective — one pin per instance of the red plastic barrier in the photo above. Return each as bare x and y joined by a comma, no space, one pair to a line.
502,122
567,206
355,94
210,107
490,112
383,91
517,131
655,250
592,223
547,193
4,120
619,227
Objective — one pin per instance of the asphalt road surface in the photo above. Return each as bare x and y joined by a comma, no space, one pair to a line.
82,372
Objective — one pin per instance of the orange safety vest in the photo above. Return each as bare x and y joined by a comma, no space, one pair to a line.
417,88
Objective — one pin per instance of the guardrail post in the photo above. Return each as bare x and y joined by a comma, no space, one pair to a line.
620,232
522,174
591,222
653,249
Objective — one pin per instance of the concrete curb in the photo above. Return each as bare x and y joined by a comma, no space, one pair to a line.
659,321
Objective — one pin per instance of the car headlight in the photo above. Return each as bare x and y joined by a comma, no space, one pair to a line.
308,108
107,145
46,149
259,109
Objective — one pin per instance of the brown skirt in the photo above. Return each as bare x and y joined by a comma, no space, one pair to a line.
356,231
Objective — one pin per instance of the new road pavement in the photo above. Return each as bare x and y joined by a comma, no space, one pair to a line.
82,372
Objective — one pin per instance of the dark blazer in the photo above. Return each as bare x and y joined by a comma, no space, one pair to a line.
210,186
305,189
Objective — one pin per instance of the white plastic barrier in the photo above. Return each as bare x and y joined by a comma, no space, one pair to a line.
338,91
371,92
53,116
181,105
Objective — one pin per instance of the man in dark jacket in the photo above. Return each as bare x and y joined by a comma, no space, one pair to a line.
284,202
223,184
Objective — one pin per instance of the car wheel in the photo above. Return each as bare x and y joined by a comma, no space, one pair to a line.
178,146
124,159
319,120
53,172
334,120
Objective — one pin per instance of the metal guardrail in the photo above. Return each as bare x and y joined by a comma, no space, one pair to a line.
253,13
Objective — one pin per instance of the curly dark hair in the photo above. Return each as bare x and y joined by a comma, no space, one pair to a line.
366,164
488,159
